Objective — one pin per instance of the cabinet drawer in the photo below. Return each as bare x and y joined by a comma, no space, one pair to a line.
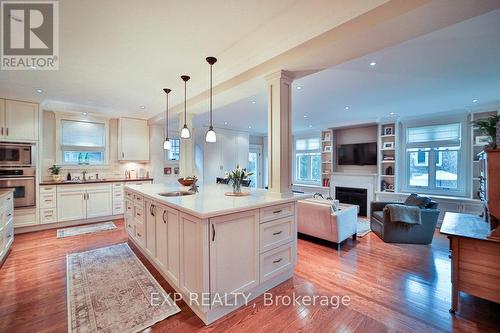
47,189
129,208
48,199
276,261
48,215
276,212
276,233
139,214
130,226
138,199
117,208
140,234
129,195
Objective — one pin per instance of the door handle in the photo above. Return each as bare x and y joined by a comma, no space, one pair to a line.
213,233
163,217
277,211
277,233
152,210
277,261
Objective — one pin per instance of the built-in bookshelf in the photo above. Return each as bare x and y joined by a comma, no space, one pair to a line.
478,141
387,156
327,156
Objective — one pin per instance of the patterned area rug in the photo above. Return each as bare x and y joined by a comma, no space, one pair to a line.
85,229
363,227
110,290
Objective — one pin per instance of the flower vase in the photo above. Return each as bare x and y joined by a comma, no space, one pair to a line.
236,186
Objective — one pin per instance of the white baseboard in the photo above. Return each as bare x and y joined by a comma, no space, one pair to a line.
46,226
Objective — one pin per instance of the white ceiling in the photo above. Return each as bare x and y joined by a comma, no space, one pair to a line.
118,55
443,71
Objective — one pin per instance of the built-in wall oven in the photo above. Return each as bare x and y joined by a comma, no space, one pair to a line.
18,172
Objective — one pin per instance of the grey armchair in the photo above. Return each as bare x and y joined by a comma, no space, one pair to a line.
389,232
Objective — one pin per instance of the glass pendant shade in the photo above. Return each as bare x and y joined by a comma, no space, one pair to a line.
167,145
211,137
185,134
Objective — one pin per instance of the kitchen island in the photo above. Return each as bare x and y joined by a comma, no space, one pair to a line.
218,252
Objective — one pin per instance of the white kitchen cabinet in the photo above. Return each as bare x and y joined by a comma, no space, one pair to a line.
231,149
99,201
151,211
19,120
167,242
71,204
234,252
133,139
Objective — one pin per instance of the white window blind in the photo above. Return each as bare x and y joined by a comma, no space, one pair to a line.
82,136
438,134
307,144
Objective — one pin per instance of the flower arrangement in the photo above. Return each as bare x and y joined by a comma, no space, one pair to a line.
237,176
489,126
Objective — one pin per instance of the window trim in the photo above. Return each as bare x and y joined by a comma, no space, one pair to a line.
59,116
311,135
463,188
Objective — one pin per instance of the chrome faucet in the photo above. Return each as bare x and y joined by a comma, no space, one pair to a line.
84,174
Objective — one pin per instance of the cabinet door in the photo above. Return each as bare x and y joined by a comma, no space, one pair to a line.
161,237
99,201
71,205
21,120
173,253
151,211
2,118
133,140
234,252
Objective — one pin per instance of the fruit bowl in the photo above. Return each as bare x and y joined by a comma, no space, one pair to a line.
186,181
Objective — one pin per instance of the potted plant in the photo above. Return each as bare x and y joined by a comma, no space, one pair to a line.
237,176
489,126
55,172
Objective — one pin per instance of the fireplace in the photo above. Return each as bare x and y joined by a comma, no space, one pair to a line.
355,196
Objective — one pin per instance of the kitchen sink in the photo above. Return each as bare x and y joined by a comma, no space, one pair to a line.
176,193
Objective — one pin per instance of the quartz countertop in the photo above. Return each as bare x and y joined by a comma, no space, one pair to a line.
210,201
94,181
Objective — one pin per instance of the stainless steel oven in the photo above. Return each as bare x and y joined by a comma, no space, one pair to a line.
17,154
22,181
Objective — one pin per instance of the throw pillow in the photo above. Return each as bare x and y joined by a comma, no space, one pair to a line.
417,200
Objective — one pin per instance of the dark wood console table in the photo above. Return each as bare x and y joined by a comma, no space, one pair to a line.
475,263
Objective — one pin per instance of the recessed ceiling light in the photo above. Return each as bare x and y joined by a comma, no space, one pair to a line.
474,101
346,108
373,63
249,126
39,91
392,113
85,113
299,87
310,126
225,123
253,102
305,116
142,107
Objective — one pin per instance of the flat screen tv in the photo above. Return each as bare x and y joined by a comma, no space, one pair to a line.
357,154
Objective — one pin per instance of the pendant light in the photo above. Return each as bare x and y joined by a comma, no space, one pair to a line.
211,137
185,134
167,144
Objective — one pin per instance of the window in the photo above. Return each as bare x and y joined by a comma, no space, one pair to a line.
173,153
307,160
83,142
433,158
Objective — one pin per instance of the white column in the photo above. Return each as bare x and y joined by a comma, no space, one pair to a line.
186,158
280,131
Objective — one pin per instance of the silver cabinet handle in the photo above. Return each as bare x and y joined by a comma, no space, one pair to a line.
138,235
277,233
213,233
277,261
163,217
277,211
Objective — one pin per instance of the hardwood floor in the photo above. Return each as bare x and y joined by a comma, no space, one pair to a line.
392,287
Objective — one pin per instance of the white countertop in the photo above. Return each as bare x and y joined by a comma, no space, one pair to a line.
210,201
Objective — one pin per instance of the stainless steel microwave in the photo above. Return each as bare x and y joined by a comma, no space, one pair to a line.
17,154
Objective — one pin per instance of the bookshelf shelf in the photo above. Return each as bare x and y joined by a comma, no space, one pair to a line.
327,156
387,157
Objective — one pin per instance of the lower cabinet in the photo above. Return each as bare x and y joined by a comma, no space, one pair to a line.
234,252
75,202
167,242
6,224
99,201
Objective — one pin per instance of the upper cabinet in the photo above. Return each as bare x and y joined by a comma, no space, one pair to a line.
18,120
133,140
